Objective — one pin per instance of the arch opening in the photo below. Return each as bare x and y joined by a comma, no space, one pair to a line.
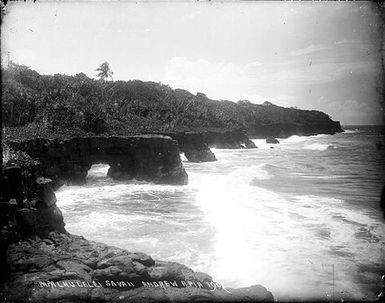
97,172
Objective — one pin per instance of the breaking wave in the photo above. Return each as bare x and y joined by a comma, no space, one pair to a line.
256,216
318,146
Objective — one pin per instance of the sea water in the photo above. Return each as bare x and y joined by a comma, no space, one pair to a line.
301,218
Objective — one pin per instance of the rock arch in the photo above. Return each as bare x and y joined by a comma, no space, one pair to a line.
148,157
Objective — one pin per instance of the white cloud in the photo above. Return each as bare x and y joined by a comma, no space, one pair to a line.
284,100
351,111
191,16
344,41
309,50
221,80
255,98
256,81
309,72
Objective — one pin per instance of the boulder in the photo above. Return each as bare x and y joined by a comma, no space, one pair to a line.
142,258
272,140
199,153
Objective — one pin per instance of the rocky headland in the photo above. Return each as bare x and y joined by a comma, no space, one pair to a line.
46,105
41,262
61,106
285,130
57,126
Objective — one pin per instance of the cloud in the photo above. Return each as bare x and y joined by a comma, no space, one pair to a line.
344,41
230,81
316,73
192,15
352,111
286,83
222,80
309,50
218,80
284,100
253,65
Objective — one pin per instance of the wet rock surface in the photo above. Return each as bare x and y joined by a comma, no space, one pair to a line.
272,140
28,202
68,268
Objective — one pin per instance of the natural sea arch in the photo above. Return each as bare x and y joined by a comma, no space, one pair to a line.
152,158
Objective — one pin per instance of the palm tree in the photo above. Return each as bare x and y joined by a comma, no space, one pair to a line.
104,71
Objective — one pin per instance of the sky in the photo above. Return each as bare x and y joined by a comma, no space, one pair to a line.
312,55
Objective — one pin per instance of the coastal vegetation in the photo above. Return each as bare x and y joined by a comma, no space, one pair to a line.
60,105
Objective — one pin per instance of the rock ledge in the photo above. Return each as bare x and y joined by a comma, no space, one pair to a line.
68,268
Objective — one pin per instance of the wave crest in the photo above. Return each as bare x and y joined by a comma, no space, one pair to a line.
318,146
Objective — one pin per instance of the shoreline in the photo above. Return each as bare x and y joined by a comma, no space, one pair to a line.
38,249
70,268
33,203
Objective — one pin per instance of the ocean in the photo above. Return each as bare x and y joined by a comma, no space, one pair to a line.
301,218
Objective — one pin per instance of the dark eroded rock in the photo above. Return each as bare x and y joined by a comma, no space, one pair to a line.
272,140
196,145
149,157
199,153
43,263
31,207
57,269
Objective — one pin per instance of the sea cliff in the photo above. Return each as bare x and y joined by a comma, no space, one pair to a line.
41,262
152,158
64,107
196,145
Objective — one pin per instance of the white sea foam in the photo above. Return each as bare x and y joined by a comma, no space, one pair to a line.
236,230
183,157
295,139
352,131
261,143
99,169
247,174
293,142
97,221
317,146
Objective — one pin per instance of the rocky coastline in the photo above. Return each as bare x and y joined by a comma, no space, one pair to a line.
152,158
285,130
57,126
68,268
41,262
196,145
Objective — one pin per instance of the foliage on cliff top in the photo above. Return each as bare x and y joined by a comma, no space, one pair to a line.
40,130
11,157
56,104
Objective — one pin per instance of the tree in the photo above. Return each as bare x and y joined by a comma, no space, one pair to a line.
104,71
